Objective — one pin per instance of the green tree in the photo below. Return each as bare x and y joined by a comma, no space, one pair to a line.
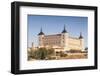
42,53
51,51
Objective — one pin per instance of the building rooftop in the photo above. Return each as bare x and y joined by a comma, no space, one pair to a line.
54,35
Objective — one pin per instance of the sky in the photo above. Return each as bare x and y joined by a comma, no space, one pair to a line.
54,25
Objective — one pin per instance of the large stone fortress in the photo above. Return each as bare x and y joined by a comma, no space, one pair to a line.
61,42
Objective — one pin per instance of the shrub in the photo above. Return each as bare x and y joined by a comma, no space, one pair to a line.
62,54
42,53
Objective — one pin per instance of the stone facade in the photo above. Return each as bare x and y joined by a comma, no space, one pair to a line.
61,42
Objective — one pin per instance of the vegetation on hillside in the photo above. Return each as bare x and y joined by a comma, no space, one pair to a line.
41,53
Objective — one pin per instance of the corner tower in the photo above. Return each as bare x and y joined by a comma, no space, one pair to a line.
41,36
81,42
64,39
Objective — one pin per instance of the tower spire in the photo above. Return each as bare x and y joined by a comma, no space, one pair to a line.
64,30
32,44
41,32
41,29
80,37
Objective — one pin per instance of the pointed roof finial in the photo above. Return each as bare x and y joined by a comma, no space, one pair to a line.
41,29
80,37
41,33
64,30
32,44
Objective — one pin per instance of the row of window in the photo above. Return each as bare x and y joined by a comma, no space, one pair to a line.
48,43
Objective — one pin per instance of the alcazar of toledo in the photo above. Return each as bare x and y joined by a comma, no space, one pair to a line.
61,42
